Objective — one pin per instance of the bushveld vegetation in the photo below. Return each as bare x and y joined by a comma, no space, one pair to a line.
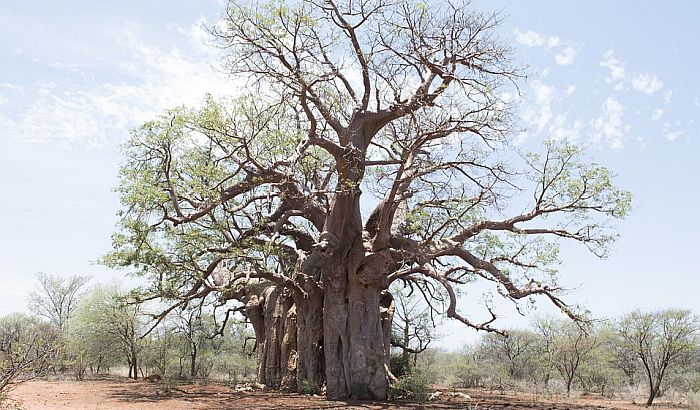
637,357
103,334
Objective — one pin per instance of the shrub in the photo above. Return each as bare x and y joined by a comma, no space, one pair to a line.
400,365
468,375
308,387
413,386
10,403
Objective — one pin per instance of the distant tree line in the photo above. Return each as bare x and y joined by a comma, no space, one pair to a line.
77,332
649,353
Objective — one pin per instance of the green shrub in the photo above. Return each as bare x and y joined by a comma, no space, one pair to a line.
467,375
413,386
400,365
308,387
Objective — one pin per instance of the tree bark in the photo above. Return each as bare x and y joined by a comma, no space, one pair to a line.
193,360
134,362
354,335
387,316
353,279
289,340
274,322
310,358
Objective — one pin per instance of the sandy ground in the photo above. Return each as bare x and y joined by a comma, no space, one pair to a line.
118,393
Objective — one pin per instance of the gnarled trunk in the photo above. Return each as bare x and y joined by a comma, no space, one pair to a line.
339,334
309,332
273,316
288,333
353,275
354,336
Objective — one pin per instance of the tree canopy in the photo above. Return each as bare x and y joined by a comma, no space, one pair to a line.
371,145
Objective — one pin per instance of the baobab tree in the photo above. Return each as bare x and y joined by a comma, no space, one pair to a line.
370,146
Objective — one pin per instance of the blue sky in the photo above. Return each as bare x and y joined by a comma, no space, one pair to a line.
617,76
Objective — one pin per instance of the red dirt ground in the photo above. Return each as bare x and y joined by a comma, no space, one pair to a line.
118,393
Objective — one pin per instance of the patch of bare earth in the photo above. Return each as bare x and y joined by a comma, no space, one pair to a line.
119,393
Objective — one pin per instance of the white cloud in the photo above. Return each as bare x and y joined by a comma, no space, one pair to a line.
609,127
539,107
668,95
616,67
673,135
566,56
11,87
198,36
559,129
566,51
646,83
529,38
657,114
144,85
540,117
669,134
553,41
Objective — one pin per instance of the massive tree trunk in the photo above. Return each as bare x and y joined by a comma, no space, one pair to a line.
353,282
309,332
340,335
353,332
273,316
288,333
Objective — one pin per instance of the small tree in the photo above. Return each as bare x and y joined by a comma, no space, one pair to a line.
514,350
89,345
196,327
158,351
601,372
545,350
112,324
466,369
27,347
623,358
57,297
573,347
412,327
661,340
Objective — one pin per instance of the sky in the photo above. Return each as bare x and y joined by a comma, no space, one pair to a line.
617,77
